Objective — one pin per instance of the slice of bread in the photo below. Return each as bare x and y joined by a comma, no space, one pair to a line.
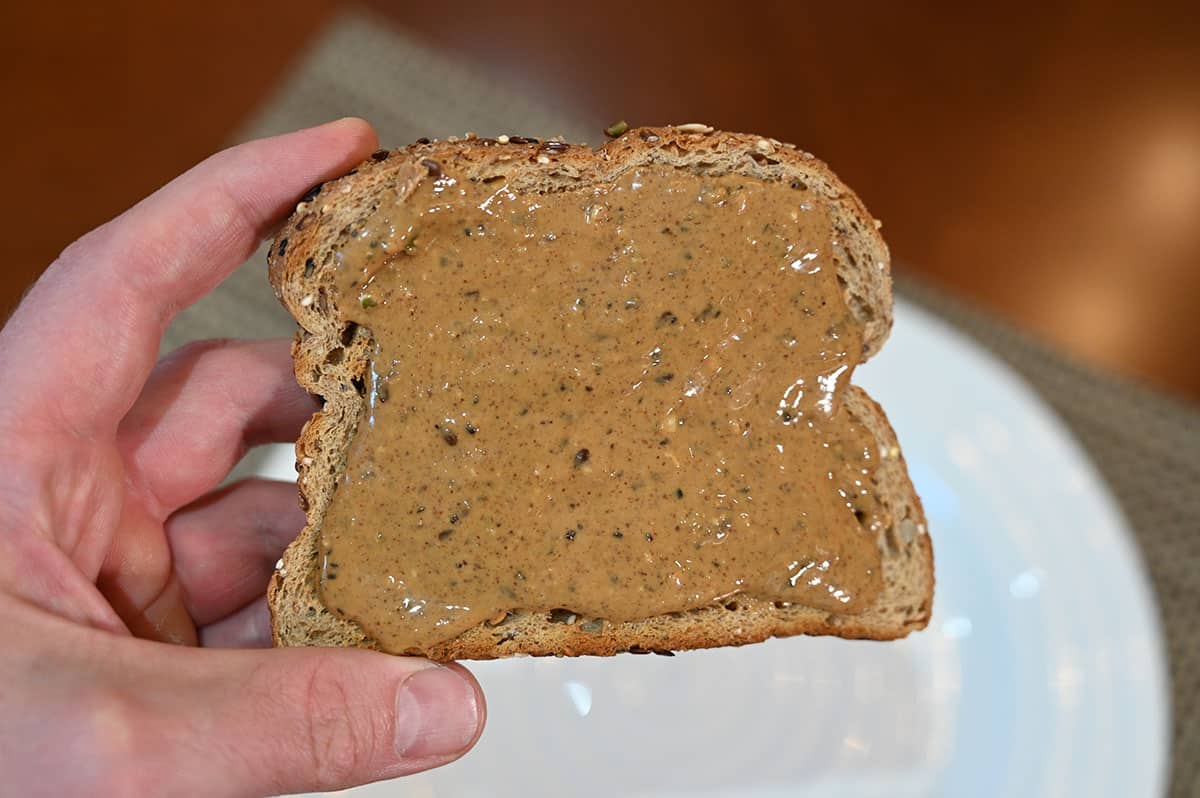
301,262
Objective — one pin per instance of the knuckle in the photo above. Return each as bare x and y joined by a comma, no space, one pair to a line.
81,249
224,205
338,744
115,743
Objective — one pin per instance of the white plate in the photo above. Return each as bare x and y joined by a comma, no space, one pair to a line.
1041,673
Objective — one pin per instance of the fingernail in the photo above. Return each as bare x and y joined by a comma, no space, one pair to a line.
436,713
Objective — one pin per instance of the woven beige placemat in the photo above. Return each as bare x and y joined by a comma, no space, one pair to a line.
1147,447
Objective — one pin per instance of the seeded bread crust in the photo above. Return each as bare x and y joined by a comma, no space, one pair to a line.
330,358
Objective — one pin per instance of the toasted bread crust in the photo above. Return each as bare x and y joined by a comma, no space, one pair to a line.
300,266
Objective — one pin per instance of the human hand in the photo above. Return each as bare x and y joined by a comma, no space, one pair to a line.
113,537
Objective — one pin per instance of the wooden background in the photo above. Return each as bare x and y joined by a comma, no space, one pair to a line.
1042,161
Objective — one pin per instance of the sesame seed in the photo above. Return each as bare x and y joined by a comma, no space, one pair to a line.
503,139
307,461
307,301
694,127
301,207
543,159
764,146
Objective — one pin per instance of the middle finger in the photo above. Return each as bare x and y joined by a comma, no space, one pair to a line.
203,406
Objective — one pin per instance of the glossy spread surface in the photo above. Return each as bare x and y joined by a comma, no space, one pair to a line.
621,402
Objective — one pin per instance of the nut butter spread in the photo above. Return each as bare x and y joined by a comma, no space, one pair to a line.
621,401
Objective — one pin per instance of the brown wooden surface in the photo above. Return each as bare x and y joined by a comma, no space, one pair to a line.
1043,162
107,101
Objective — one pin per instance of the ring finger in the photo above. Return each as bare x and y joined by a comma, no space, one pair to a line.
225,545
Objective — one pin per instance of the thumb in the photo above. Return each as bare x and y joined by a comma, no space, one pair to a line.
294,720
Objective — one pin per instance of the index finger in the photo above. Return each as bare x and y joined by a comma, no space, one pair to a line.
79,347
